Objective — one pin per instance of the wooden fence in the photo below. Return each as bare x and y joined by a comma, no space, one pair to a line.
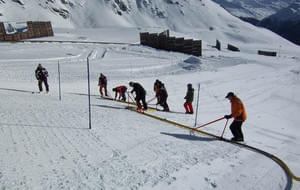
35,30
232,47
267,53
165,42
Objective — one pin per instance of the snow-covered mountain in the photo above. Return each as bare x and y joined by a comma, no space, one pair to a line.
290,13
257,9
285,22
204,19
99,13
281,17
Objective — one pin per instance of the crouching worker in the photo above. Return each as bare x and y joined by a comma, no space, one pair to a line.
121,90
140,95
189,97
238,112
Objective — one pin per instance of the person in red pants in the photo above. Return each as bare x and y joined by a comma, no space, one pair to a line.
189,97
102,83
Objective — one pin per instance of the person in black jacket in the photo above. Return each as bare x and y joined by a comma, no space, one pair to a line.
162,96
140,95
41,75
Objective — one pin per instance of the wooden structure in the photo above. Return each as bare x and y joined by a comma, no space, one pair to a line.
35,30
267,53
218,45
165,42
232,48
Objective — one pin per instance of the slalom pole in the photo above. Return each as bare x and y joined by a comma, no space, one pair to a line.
224,128
89,89
59,88
209,123
196,117
151,100
130,97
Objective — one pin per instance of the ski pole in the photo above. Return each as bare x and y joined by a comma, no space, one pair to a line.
151,100
209,123
130,97
224,128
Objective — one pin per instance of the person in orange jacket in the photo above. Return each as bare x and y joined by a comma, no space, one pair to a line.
238,112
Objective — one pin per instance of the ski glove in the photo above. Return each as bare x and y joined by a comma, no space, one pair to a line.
228,116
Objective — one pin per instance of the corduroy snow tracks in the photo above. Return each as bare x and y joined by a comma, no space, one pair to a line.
289,174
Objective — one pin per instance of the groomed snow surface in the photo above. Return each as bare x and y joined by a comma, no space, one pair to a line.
46,143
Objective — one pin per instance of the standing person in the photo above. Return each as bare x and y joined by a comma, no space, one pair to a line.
121,90
238,112
140,95
41,75
157,85
162,96
102,83
189,97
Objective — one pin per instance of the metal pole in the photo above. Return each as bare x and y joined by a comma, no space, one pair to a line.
59,87
210,123
89,90
224,128
197,105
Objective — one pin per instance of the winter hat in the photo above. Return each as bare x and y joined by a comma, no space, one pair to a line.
229,94
189,85
130,83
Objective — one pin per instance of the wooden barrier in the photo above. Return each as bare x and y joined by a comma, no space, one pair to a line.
232,48
197,47
218,45
165,42
35,30
143,38
2,31
267,53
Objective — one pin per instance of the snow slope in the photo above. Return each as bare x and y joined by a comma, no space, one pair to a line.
46,143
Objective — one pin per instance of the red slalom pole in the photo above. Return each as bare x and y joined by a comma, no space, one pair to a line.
209,123
130,97
224,128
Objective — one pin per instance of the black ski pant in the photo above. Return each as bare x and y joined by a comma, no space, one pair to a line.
142,97
236,129
40,83
164,104
124,94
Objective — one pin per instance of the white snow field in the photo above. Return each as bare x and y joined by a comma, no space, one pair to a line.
46,143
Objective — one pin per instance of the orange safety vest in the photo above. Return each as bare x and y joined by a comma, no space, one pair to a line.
238,111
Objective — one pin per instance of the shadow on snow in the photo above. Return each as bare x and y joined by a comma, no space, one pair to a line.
189,137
